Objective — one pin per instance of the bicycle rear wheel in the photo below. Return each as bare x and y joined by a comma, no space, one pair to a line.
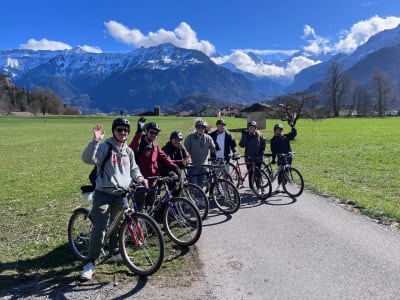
292,182
260,184
141,244
79,229
225,196
182,221
194,193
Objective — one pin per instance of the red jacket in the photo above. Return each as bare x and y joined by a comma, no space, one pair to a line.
148,156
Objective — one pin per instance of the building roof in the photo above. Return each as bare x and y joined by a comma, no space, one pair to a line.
257,107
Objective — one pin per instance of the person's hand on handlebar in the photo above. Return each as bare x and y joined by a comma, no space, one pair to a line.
144,182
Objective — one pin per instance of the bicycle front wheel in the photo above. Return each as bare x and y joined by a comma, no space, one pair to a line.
194,193
141,244
79,229
225,196
235,175
260,184
292,182
182,221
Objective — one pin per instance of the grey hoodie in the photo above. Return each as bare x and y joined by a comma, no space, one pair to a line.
120,170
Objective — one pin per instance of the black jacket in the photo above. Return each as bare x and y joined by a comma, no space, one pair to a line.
281,144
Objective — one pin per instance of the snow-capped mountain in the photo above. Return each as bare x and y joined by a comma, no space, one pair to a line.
132,81
385,39
162,75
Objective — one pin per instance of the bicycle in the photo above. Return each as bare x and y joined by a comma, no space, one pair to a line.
180,217
223,192
259,182
141,242
290,177
195,194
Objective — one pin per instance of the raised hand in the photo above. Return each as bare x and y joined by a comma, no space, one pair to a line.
98,132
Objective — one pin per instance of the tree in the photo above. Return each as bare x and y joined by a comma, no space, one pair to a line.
383,91
293,106
361,101
336,86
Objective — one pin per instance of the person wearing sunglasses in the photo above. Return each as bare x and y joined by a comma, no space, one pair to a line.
119,170
149,156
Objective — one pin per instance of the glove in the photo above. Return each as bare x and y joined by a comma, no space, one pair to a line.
291,124
140,124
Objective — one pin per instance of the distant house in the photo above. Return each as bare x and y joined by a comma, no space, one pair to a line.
230,111
21,113
392,112
208,111
257,112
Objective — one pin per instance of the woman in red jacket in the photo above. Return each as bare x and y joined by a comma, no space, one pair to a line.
148,155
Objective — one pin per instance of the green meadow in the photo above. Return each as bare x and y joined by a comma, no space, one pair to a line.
354,160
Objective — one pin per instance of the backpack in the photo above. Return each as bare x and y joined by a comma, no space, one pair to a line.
93,173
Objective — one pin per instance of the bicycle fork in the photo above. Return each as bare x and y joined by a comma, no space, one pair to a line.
133,232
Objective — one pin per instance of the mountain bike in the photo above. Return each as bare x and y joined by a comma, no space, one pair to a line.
290,177
259,180
180,217
195,194
141,242
223,192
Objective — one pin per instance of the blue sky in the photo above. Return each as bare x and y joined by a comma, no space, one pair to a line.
230,28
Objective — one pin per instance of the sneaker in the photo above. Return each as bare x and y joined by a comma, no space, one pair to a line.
87,272
116,258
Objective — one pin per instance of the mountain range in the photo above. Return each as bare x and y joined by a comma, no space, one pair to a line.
165,74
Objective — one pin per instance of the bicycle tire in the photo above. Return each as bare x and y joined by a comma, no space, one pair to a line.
194,193
79,229
225,195
260,184
235,175
267,169
141,244
182,221
292,182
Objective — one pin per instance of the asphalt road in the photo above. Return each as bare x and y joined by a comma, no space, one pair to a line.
309,248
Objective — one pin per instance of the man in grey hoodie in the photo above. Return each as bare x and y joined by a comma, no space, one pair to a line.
120,170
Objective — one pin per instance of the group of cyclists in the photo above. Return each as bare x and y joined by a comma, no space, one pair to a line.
144,158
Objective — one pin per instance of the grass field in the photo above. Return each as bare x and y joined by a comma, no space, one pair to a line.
41,172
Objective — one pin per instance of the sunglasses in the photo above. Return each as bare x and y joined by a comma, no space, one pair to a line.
120,130
153,132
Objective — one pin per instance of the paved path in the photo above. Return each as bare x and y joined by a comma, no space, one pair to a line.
309,248
305,249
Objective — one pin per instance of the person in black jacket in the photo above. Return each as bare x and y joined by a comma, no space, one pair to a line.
176,150
280,143
225,141
253,143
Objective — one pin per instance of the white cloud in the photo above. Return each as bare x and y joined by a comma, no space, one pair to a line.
91,49
362,31
183,36
244,62
316,44
45,44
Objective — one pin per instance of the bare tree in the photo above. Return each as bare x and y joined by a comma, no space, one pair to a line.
336,86
361,101
383,91
293,106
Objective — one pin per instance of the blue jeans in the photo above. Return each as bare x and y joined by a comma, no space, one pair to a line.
197,175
